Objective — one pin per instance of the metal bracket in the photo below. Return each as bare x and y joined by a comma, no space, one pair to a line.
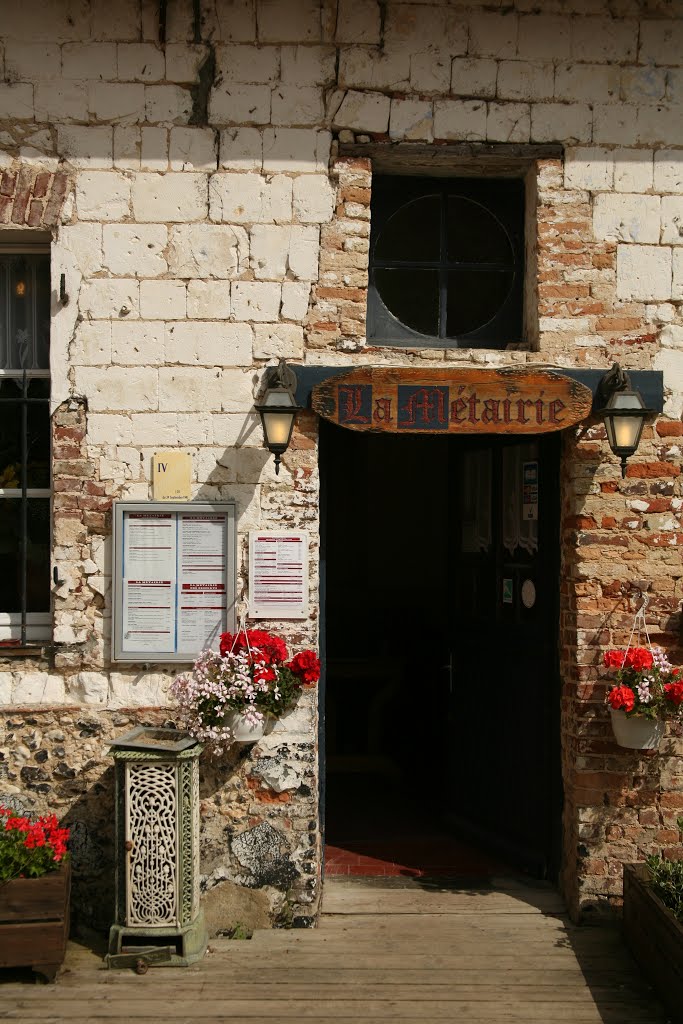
140,959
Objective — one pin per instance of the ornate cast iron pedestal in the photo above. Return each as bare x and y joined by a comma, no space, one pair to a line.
157,847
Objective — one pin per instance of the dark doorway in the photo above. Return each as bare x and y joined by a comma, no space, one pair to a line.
441,645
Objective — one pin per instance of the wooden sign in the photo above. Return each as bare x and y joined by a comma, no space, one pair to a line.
452,401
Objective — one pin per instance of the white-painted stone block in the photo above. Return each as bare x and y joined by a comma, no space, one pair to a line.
238,390
293,106
508,122
313,199
195,428
193,149
154,149
406,27
361,67
86,147
364,112
358,22
587,83
633,170
295,22
170,197
525,80
644,272
544,37
139,343
616,124
274,250
188,388
118,389
295,150
658,124
6,681
208,300
474,77
119,21
661,42
626,218
135,247
643,85
669,170
239,104
127,147
411,119
568,123
589,167
91,60
60,101
493,34
83,241
88,688
37,688
109,428
295,299
671,337
255,65
677,275
256,300
460,120
155,428
672,220
148,689
671,364
241,149
140,62
209,344
604,40
92,344
249,198
28,61
183,61
107,298
430,72
208,250
233,430
124,104
102,195
163,300
307,65
275,341
168,104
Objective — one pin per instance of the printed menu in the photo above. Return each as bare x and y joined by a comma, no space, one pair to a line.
278,574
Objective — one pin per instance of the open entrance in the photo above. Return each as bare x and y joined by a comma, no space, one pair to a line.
442,704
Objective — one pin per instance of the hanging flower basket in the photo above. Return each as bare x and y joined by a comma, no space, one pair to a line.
636,732
231,695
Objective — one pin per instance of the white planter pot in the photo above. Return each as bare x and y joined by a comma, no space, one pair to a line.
638,733
244,731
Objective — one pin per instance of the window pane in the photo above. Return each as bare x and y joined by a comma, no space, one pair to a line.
24,312
37,555
412,296
412,234
474,298
38,434
474,235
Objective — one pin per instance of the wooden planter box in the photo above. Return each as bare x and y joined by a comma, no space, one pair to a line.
34,921
655,938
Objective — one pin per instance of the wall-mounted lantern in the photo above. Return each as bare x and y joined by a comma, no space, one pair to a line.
278,409
624,413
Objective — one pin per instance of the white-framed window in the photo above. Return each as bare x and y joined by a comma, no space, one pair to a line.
25,448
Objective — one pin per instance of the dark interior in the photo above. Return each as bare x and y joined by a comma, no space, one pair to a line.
441,685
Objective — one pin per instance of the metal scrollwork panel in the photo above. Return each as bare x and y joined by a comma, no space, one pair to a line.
151,802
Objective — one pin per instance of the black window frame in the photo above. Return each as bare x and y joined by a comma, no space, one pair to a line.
24,626
504,198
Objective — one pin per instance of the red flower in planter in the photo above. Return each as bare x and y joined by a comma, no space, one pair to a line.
614,659
639,659
622,698
306,666
674,693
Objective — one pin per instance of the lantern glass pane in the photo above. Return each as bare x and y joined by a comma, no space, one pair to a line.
278,426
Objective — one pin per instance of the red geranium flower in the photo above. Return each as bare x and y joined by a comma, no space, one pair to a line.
639,659
306,666
614,659
674,692
622,698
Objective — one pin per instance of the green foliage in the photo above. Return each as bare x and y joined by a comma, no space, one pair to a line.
666,879
240,931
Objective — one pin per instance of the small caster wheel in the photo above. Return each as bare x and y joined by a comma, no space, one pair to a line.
141,967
